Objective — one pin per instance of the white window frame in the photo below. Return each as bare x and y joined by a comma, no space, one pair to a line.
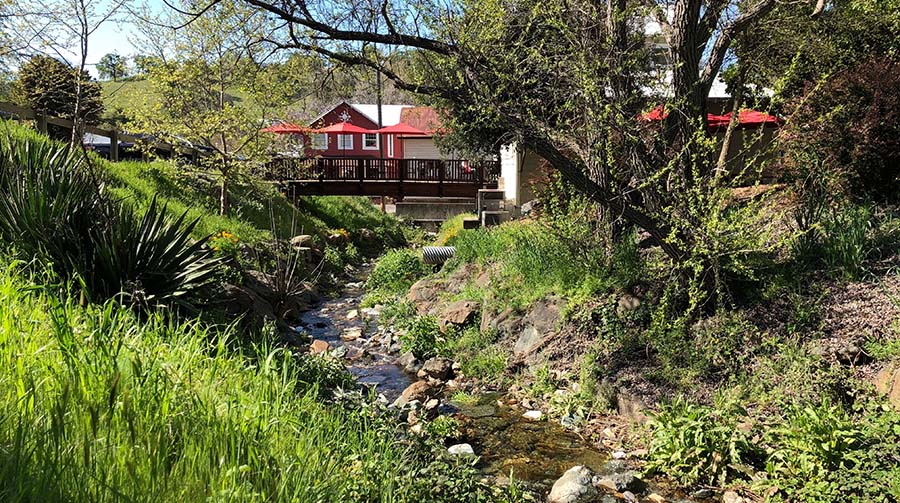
367,137
390,145
345,142
319,141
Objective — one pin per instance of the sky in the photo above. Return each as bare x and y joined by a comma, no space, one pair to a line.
113,36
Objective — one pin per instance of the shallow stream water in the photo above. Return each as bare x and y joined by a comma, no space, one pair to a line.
537,452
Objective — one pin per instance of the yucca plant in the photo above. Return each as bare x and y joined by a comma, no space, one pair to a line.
150,259
52,209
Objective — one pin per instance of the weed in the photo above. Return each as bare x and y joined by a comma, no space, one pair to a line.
697,443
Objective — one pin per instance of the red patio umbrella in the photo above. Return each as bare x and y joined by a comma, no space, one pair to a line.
753,118
344,128
401,128
284,128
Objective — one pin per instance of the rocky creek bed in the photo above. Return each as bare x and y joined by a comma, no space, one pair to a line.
546,458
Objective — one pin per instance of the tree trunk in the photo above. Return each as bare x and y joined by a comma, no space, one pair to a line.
224,206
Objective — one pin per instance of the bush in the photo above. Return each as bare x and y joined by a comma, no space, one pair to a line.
395,272
853,124
423,337
698,444
53,210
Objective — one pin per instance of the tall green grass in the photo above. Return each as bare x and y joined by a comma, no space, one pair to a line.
535,262
97,405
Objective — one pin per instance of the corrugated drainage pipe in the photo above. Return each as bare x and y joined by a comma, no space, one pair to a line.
437,254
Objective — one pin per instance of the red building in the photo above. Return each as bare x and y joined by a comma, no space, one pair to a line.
388,146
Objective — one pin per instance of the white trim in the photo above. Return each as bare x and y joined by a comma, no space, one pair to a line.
342,142
377,141
390,145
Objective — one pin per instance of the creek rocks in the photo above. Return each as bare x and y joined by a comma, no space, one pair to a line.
533,415
461,450
438,368
732,497
303,241
409,363
351,334
575,486
419,390
319,346
616,477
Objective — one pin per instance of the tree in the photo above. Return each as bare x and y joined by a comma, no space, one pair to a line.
112,66
50,86
569,80
145,64
197,84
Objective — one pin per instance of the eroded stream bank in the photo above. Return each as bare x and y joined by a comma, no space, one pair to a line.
536,452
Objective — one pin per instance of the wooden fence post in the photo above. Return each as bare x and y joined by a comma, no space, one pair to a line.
41,120
114,145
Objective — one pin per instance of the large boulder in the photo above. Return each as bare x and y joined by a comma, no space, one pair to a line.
437,368
424,294
887,382
419,390
573,487
538,325
459,313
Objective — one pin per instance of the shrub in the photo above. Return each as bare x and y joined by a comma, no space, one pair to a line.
443,427
814,442
853,123
423,337
396,271
697,443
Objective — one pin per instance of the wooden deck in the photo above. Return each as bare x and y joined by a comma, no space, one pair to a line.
398,178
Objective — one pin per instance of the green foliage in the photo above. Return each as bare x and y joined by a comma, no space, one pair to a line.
535,262
423,337
822,454
450,229
395,272
846,241
48,85
52,210
112,66
443,427
698,444
813,443
100,405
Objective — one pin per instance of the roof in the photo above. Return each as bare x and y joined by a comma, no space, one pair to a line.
423,118
390,114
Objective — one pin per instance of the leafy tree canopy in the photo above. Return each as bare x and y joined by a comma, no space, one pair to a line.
50,86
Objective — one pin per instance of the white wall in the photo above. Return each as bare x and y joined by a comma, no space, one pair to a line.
509,173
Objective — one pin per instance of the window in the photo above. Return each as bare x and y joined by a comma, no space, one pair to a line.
370,141
345,142
390,145
320,141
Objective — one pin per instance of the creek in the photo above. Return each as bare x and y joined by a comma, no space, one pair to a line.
536,453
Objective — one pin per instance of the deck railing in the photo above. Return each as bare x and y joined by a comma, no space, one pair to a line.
364,169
